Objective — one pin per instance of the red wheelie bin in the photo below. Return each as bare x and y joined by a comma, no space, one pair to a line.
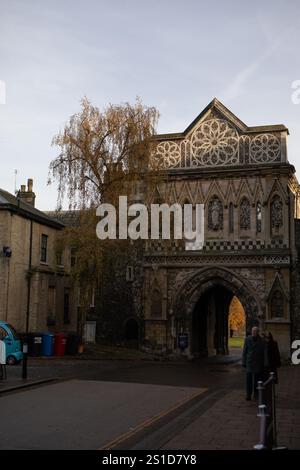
60,341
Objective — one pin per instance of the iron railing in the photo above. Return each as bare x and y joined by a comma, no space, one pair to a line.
267,415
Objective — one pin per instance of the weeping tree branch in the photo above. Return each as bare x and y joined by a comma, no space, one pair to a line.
95,143
102,154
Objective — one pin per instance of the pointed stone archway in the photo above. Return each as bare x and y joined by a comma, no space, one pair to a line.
201,307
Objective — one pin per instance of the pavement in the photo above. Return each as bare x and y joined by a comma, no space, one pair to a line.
141,405
231,423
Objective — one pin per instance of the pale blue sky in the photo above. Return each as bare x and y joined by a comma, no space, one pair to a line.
175,55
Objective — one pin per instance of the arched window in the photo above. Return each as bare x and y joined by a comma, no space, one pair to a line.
156,303
258,217
231,218
277,310
276,213
215,214
245,214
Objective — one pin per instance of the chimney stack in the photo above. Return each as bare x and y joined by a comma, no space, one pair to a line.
29,185
27,196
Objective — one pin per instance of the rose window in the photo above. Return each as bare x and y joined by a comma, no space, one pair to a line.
265,148
169,154
214,143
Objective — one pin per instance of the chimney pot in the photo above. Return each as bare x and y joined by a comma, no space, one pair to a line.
30,185
23,188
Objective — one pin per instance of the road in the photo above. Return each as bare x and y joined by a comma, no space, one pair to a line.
111,404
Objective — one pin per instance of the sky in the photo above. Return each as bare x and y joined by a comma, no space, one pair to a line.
175,55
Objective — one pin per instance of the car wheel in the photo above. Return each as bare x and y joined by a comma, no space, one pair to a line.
11,360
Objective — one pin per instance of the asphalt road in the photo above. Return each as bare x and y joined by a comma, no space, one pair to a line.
190,374
84,414
111,404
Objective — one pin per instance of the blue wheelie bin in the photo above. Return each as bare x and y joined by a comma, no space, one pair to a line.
48,344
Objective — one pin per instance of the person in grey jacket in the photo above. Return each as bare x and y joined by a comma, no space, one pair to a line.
255,360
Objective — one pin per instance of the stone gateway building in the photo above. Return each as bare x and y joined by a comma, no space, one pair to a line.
251,196
180,295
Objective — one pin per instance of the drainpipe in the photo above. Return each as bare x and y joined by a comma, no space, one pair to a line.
8,274
7,291
29,279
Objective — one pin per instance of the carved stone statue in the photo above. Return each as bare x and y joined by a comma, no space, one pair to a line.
215,211
245,214
276,212
215,214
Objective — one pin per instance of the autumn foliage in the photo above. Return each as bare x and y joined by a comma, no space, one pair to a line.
102,153
236,318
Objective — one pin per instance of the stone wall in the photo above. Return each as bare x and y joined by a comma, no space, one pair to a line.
119,291
48,281
295,287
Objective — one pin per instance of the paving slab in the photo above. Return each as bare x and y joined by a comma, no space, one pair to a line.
232,422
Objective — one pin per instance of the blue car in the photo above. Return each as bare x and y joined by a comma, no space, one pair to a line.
12,342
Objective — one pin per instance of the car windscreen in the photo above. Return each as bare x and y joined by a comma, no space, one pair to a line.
15,334
3,333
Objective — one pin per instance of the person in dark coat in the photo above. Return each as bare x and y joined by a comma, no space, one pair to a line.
273,355
255,360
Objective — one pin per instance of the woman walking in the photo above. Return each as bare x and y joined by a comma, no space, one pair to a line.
273,355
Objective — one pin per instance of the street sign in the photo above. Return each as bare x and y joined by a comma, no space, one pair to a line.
183,340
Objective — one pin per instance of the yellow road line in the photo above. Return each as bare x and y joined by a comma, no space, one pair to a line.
150,421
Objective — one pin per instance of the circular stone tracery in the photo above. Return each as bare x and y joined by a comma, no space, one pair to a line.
265,148
214,143
169,154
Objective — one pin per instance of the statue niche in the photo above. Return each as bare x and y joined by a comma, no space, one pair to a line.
215,214
245,219
276,215
156,303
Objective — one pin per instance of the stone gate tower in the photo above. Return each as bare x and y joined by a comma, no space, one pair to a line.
251,196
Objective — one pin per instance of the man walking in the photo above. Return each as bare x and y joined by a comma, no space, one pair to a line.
255,360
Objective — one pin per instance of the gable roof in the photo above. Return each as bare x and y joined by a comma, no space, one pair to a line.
216,104
18,206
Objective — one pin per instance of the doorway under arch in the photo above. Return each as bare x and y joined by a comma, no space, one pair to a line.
210,322
132,333
201,307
